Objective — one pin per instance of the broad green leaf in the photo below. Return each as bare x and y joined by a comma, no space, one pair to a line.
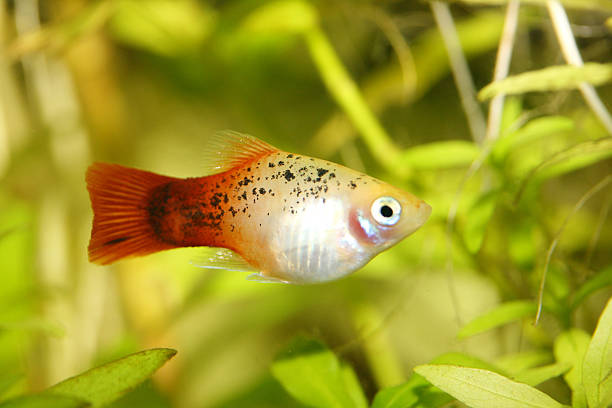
102,385
479,388
570,347
598,358
165,27
606,392
599,281
408,393
313,375
538,375
549,79
519,362
604,5
477,220
399,396
285,16
45,401
440,155
503,314
532,130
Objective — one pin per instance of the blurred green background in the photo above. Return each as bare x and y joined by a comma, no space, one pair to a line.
144,83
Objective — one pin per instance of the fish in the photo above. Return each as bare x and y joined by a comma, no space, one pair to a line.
283,216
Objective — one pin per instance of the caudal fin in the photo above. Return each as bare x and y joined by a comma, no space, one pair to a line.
120,199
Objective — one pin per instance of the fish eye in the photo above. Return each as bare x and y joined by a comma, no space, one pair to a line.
386,210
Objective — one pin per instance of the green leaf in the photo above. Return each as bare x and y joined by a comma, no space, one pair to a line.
478,218
598,358
45,401
531,131
549,79
570,347
599,281
538,375
440,155
7,381
408,393
606,392
165,27
103,385
519,362
35,324
481,388
399,396
503,314
353,386
574,158
313,375
285,16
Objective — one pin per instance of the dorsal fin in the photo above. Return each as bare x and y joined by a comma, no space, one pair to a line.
228,149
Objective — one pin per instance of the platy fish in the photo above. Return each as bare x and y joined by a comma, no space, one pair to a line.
284,216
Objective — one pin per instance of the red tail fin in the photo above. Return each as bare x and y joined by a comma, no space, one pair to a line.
120,198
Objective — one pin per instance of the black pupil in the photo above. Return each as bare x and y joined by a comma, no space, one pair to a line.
386,211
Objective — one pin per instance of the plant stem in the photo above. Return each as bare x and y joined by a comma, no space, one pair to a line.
347,95
460,69
502,66
572,56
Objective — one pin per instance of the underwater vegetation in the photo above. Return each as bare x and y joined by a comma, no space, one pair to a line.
496,113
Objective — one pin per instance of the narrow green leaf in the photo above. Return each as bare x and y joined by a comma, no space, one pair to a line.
518,362
549,79
353,387
285,16
570,347
598,358
35,325
478,218
576,157
484,389
599,281
44,401
503,314
102,385
312,374
531,131
538,375
440,155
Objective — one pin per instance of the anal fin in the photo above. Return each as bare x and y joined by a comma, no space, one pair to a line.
259,277
222,258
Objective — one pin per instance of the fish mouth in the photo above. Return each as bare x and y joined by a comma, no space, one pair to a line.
418,215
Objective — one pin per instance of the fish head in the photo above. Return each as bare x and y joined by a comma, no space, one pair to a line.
382,215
